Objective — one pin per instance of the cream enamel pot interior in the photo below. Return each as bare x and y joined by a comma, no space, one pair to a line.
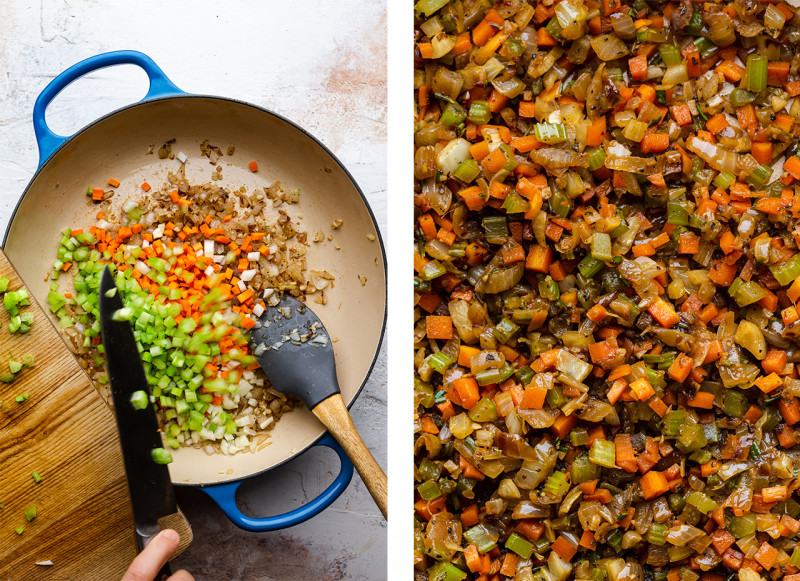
116,146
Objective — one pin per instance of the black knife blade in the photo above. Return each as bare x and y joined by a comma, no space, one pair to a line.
151,492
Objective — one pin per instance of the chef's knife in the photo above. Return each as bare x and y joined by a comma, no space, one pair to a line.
149,484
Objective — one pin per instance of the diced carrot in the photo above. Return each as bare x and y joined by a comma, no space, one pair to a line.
769,382
253,166
688,243
564,548
428,425
752,414
731,71
601,352
530,529
722,540
499,190
509,567
790,410
618,388
654,142
746,115
487,27
638,67
468,470
472,558
722,274
526,143
468,391
653,483
664,313
463,43
625,456
534,397
703,400
526,109
426,509
597,313
642,389
792,166
439,327
425,50
428,226
563,425
146,187
644,249
774,493
113,183
775,360
469,515
766,555
717,123
602,495
539,258
762,151
681,114
497,101
495,161
429,301
732,559
544,38
708,313
681,367
777,72
792,524
657,405
587,540
479,150
596,132
709,468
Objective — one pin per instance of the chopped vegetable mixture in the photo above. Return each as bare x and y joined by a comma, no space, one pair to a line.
196,266
607,271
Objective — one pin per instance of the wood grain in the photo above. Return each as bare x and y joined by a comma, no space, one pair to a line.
66,433
334,415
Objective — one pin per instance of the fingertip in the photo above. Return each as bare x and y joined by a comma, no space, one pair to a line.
170,535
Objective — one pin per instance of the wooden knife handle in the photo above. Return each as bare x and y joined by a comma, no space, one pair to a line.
334,415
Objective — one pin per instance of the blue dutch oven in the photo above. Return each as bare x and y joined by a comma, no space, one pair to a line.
121,145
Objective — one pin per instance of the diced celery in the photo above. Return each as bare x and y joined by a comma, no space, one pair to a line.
479,113
603,453
550,133
756,73
482,538
601,247
444,571
519,545
467,170
429,490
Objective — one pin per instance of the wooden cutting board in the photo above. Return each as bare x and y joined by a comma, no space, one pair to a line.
66,433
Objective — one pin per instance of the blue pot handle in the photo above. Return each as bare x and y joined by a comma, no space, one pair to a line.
160,86
225,496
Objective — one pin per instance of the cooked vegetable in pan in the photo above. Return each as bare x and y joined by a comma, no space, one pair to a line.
606,282
197,266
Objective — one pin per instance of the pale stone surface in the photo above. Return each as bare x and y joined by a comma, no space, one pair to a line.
320,64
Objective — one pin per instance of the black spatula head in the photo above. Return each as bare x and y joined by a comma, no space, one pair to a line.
295,351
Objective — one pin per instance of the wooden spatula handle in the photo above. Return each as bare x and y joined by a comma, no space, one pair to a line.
334,415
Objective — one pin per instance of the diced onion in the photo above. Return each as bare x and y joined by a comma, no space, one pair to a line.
608,47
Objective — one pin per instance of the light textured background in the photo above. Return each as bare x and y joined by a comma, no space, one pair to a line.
320,64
